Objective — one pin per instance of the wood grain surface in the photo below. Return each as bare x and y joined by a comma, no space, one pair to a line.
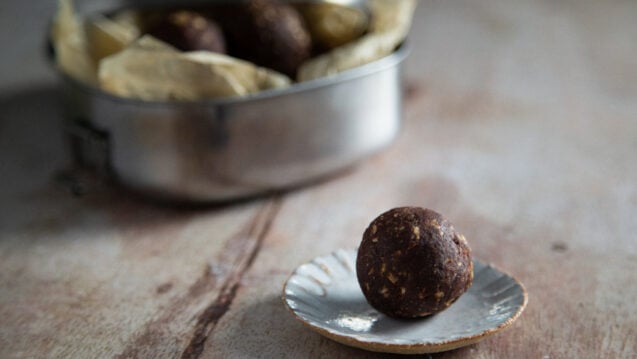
520,125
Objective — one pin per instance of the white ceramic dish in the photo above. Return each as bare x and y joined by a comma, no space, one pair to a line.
324,294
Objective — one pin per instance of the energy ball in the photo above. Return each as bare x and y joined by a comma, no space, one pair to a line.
269,33
412,263
189,31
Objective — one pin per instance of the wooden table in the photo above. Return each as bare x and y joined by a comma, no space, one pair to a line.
520,126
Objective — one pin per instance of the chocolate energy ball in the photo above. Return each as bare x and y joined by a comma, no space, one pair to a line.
269,33
189,31
413,263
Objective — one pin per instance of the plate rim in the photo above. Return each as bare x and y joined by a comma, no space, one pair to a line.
416,348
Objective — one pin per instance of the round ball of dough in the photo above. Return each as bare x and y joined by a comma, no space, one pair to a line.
189,31
269,33
413,263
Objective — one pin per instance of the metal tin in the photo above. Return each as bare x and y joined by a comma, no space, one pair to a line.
227,148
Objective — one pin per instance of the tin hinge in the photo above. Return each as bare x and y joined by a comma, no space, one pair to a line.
90,151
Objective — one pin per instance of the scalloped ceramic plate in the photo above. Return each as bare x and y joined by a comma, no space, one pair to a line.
324,294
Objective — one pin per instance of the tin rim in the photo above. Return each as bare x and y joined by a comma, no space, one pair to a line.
391,60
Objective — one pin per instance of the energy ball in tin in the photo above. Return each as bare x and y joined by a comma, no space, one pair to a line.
412,263
269,33
189,31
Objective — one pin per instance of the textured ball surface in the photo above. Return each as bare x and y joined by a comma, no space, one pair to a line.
269,33
413,263
189,31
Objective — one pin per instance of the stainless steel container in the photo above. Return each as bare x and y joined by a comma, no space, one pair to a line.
235,147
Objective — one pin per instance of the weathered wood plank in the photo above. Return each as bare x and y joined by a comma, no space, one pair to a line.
125,279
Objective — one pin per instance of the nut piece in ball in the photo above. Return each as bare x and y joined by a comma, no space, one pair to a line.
412,263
